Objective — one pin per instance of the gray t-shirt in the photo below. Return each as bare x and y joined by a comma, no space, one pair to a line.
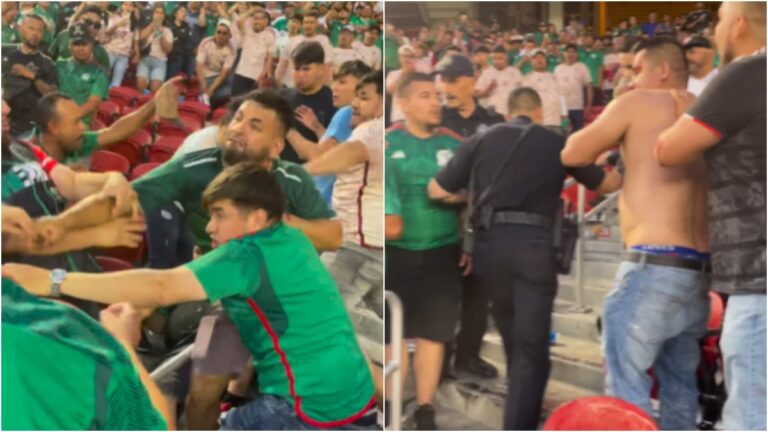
733,107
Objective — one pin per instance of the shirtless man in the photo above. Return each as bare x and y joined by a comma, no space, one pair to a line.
658,310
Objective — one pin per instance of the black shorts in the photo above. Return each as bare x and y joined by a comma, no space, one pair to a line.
428,283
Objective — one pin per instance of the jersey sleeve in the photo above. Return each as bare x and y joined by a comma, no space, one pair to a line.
90,143
304,200
162,185
728,103
455,175
229,270
392,204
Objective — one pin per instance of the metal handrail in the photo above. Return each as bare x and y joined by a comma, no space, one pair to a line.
582,220
394,368
172,364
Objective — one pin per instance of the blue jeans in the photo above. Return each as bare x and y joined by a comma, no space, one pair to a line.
168,240
268,412
654,318
118,64
151,68
743,347
222,92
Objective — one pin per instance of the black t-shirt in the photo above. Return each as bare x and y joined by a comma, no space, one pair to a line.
531,181
20,93
732,106
321,103
182,40
479,121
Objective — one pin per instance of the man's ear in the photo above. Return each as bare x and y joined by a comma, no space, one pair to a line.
664,70
257,220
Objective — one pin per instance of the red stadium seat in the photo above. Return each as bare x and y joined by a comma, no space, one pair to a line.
141,169
183,128
218,114
149,126
196,110
141,100
599,413
110,264
123,96
141,138
103,161
97,124
130,150
108,112
164,148
193,88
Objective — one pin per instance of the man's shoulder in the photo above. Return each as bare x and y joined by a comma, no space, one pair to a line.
201,158
447,136
287,170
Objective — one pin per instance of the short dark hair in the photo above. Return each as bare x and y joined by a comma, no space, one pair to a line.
355,68
298,17
667,49
46,109
375,28
375,77
271,100
405,82
453,48
311,13
482,49
307,53
250,187
572,46
523,99
499,49
266,15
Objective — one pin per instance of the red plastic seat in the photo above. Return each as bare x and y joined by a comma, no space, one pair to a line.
193,88
172,128
97,124
110,264
195,109
149,126
599,413
128,149
141,138
123,96
135,256
108,112
218,114
141,100
164,148
141,169
104,160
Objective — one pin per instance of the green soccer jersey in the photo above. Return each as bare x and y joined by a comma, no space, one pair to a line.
524,69
291,317
10,35
391,62
553,61
593,60
80,157
410,164
62,371
184,179
81,81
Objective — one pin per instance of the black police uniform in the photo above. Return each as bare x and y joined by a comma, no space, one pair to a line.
475,302
515,260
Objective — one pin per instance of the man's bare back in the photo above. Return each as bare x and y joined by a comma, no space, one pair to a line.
658,206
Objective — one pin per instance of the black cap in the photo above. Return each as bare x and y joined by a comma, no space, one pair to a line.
697,42
455,66
80,32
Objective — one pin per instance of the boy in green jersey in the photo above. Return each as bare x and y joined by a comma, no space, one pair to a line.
276,291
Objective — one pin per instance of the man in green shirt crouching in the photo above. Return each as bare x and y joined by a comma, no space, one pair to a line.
277,292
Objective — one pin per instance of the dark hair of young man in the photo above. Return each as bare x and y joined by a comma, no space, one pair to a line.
307,53
375,77
405,83
46,109
571,46
355,68
250,187
271,100
499,49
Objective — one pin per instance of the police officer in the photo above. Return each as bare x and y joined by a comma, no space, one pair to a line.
463,115
81,77
515,197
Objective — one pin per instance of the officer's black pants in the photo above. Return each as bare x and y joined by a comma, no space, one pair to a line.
474,319
515,264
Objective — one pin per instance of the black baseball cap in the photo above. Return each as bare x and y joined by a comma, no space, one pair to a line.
455,66
80,33
697,42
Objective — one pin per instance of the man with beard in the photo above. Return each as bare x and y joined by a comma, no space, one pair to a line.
279,295
726,125
310,92
496,82
422,263
28,74
464,116
701,68
658,309
257,57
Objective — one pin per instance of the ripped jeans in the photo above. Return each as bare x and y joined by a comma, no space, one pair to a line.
654,318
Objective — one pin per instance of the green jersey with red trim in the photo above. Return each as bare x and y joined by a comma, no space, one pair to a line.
291,317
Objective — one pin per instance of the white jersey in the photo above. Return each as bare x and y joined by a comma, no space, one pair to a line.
371,55
507,79
358,193
343,55
696,85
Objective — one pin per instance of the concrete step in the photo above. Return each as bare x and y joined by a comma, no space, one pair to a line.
576,362
592,294
603,246
600,269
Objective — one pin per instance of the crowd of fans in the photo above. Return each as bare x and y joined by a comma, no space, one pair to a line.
279,160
